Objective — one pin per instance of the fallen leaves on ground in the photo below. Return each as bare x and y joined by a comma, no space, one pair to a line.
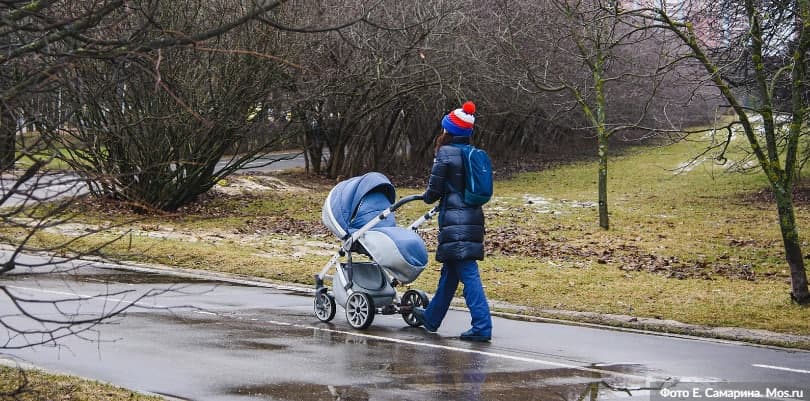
511,241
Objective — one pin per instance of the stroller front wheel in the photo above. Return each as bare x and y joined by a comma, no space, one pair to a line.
413,299
360,310
324,306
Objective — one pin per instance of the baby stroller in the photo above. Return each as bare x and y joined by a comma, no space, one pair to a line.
360,211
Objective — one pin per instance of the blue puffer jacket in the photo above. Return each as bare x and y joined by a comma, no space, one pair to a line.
461,226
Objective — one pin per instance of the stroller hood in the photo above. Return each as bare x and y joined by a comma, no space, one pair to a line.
356,201
344,199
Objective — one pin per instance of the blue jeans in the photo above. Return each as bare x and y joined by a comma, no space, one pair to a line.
465,271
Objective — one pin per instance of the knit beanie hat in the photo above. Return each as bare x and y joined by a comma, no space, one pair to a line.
459,122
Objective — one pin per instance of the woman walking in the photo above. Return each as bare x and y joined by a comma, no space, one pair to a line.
461,231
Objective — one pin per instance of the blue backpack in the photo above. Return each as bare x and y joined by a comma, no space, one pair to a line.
478,175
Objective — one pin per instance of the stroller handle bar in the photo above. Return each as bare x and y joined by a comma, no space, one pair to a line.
405,200
421,220
427,216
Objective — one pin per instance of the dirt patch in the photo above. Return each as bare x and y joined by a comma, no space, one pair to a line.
765,197
510,241
282,225
513,241
232,190
272,235
296,240
555,206
301,179
672,267
240,184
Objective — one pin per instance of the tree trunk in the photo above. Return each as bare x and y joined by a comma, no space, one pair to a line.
8,131
313,149
603,169
602,134
793,251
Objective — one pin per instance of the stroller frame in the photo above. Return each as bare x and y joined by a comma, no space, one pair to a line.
360,302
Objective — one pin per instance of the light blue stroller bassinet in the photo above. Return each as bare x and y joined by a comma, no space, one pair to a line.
360,211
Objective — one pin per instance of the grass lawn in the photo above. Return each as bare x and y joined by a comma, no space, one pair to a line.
694,243
34,385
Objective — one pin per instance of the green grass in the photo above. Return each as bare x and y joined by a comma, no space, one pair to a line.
34,385
719,302
694,215
700,247
705,217
56,163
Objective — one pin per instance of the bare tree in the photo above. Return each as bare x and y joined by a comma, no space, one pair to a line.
596,33
151,129
587,69
485,51
44,44
376,92
749,50
366,86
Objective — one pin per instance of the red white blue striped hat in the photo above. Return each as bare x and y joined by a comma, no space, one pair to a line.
459,122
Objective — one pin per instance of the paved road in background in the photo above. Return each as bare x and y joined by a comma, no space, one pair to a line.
241,341
49,187
270,162
46,187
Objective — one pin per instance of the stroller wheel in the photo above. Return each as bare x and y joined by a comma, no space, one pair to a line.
413,299
360,310
324,306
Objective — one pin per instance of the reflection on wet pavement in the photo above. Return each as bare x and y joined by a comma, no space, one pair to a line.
303,392
334,366
472,384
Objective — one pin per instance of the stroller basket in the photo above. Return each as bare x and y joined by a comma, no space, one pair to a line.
366,277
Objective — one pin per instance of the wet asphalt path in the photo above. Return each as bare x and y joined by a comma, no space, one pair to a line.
269,162
52,186
218,341
49,186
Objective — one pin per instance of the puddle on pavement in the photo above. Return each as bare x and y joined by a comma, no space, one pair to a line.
239,341
235,325
303,392
141,278
463,383
258,345
545,384
235,343
380,370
